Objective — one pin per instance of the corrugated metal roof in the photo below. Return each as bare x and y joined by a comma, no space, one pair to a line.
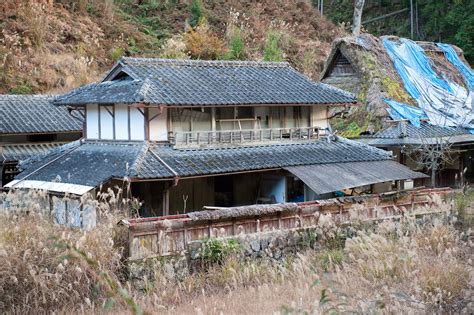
50,186
325,178
21,114
202,83
23,151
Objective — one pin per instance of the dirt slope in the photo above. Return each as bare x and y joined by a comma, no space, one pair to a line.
55,45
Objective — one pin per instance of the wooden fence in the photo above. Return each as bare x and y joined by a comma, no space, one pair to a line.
170,235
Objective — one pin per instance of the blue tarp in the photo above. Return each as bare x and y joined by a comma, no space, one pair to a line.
453,57
445,103
400,111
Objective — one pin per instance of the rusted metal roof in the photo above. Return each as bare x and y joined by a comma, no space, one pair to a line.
325,178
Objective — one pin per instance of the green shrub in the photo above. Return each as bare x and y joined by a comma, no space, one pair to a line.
116,53
23,88
214,250
196,13
236,47
272,51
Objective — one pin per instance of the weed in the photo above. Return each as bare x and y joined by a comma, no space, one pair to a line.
215,250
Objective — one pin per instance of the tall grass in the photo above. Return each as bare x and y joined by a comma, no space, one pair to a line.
396,267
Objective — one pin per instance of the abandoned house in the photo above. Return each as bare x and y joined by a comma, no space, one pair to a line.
188,134
417,99
31,125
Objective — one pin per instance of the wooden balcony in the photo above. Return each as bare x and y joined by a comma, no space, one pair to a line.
202,138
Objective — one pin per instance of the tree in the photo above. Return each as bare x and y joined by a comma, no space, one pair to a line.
432,154
196,13
272,50
357,20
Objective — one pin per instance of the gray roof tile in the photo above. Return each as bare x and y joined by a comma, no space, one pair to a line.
92,163
201,83
21,114
407,130
12,152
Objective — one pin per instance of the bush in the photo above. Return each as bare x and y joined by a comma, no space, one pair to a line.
214,250
272,51
201,43
116,53
196,13
236,47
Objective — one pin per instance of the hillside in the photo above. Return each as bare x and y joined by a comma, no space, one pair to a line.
49,46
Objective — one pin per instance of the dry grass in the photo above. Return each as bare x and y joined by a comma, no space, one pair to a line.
398,267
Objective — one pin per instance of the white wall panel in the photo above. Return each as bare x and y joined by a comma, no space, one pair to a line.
121,122
137,124
106,122
92,122
158,126
319,116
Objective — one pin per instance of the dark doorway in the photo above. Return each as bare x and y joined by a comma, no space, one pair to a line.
224,191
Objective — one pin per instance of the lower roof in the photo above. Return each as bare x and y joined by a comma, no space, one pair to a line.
93,163
404,133
31,114
320,178
21,151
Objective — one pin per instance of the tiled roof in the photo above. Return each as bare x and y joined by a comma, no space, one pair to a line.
93,163
88,164
23,151
405,133
201,83
407,130
20,114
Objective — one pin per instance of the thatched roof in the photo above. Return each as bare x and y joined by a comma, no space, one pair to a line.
379,78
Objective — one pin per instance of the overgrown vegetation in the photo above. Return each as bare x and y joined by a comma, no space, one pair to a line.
410,265
449,21
51,46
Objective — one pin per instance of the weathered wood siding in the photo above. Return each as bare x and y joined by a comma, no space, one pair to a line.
163,236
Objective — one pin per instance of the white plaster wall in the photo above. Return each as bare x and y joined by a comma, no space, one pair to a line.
137,124
319,116
106,123
92,122
158,126
121,122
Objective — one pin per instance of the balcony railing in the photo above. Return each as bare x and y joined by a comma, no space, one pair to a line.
191,138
